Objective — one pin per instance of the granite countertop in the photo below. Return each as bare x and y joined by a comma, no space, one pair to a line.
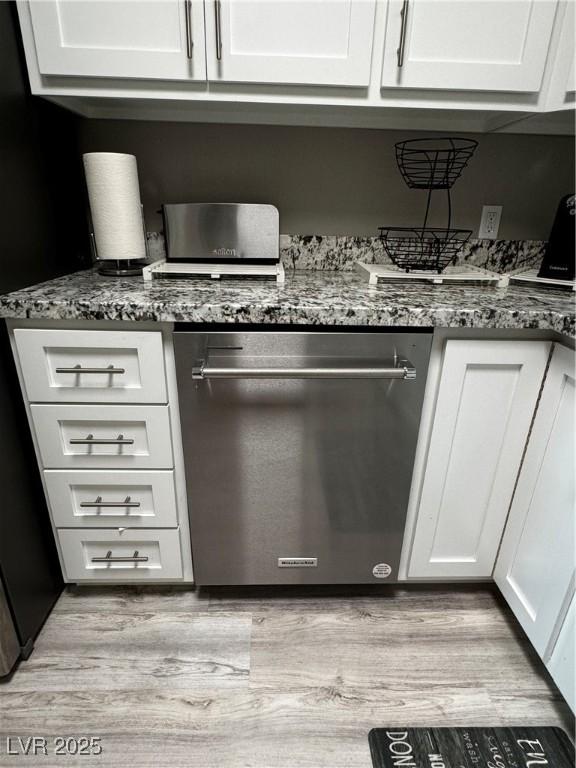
308,297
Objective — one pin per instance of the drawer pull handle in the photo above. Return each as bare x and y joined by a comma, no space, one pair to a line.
136,558
401,47
99,503
79,369
188,15
91,440
218,28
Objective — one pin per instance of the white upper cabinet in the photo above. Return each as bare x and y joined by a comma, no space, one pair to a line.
562,88
535,569
162,40
301,42
461,61
486,45
486,400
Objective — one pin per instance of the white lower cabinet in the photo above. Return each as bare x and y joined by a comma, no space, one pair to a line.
103,408
67,366
487,395
104,499
562,663
103,436
121,555
535,570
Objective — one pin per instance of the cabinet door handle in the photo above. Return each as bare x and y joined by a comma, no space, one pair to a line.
91,440
136,558
188,14
218,27
400,51
99,503
79,369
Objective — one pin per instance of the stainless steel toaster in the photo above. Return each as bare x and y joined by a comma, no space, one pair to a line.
205,232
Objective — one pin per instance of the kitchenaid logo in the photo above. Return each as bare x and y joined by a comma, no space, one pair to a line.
224,252
297,562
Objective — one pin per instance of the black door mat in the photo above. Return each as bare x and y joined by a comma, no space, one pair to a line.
471,748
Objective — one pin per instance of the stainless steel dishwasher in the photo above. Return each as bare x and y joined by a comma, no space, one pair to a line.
299,450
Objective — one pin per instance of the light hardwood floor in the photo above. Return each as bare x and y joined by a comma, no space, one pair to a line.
269,678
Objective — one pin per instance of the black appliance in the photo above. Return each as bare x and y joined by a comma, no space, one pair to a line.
39,208
559,257
30,577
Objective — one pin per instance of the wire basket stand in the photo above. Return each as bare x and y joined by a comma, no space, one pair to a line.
432,164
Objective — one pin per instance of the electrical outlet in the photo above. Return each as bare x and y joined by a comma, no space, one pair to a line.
489,222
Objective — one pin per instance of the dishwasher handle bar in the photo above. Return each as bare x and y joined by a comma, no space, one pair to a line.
403,369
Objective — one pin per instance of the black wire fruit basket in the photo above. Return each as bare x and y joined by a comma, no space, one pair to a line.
429,249
431,164
435,164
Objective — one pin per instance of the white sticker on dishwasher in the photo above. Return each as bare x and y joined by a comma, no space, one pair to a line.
381,571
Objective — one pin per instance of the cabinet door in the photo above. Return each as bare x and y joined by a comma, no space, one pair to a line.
65,366
120,38
486,400
562,665
467,44
308,42
109,499
121,555
562,87
535,568
103,436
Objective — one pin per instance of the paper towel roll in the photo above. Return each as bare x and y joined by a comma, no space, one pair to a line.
112,181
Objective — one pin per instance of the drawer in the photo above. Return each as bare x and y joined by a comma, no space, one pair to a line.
103,436
124,555
92,366
101,499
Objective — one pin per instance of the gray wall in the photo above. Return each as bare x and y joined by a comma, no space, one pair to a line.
42,217
332,180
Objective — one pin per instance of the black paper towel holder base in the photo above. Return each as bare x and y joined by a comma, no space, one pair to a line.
120,268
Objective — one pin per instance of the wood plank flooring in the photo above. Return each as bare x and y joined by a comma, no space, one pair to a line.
263,678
